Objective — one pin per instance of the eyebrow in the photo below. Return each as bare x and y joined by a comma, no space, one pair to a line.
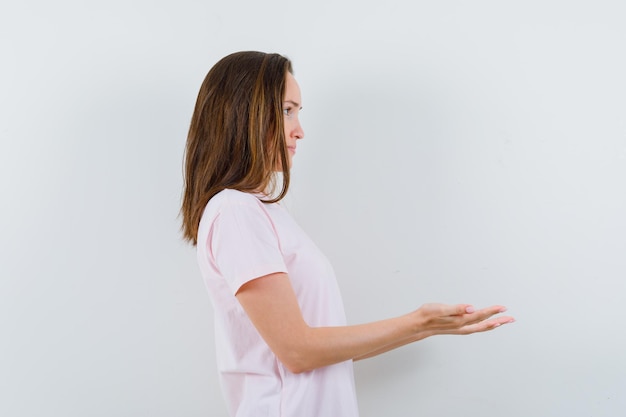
295,104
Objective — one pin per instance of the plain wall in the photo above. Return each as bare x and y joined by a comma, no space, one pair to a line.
455,152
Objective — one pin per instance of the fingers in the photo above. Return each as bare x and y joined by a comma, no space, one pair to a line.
444,310
462,309
483,326
486,313
462,318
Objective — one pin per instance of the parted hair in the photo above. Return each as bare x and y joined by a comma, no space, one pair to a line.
236,138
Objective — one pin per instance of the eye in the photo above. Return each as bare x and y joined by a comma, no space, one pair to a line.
287,111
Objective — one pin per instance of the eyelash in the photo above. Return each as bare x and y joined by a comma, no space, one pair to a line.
287,112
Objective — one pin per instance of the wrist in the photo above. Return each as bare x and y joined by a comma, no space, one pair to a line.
417,322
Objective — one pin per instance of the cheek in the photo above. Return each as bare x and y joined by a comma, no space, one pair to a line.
290,124
287,127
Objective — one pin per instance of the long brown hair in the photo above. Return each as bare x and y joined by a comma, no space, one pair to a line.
236,138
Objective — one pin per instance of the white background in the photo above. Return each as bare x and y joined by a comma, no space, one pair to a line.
455,151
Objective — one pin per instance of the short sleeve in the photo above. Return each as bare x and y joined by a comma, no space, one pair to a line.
244,244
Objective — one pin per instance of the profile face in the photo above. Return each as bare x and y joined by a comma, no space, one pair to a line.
292,104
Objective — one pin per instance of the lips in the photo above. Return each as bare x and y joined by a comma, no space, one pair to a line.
291,149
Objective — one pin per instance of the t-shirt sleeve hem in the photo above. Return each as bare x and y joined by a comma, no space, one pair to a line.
255,273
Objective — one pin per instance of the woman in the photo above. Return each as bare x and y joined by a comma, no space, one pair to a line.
283,346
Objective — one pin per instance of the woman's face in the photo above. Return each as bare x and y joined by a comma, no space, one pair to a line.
292,104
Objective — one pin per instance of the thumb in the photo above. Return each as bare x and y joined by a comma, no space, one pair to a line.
461,309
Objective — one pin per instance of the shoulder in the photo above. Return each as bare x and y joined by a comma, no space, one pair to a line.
229,204
233,201
228,197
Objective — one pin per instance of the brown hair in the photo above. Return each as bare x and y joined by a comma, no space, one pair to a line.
236,138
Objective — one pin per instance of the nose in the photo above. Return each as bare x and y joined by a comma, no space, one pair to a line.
297,131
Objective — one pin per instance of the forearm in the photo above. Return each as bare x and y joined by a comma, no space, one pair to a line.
420,336
324,346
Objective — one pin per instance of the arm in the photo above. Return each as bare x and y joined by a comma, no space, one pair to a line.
482,326
271,304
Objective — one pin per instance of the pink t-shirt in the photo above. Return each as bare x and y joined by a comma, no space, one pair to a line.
240,239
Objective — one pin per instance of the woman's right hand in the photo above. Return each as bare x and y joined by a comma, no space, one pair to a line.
459,319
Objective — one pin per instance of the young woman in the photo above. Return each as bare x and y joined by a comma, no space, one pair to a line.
283,346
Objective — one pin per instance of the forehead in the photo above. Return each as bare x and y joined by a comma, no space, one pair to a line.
292,89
